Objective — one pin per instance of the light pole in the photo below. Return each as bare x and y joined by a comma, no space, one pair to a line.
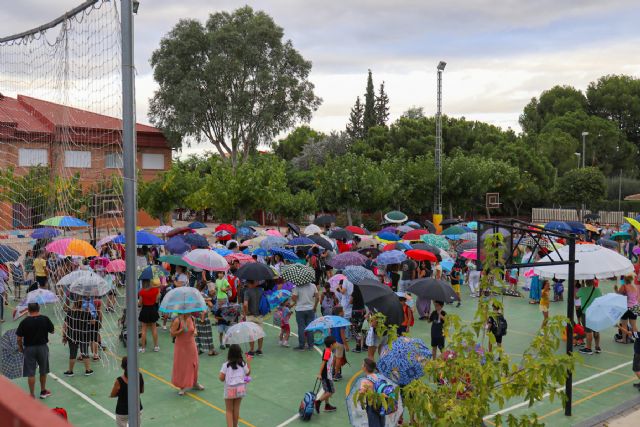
578,155
584,140
438,157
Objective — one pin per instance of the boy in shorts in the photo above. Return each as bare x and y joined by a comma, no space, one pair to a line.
342,345
437,328
326,376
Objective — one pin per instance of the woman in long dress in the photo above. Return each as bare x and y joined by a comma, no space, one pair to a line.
185,354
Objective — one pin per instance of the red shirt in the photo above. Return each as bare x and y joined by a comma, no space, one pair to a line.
343,247
149,296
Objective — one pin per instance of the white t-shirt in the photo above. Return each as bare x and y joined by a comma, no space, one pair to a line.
183,279
234,376
346,297
306,297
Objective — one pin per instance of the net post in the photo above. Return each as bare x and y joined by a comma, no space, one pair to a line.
568,388
130,208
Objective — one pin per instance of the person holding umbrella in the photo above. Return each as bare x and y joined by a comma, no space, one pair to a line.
148,299
75,333
436,319
185,354
587,295
251,310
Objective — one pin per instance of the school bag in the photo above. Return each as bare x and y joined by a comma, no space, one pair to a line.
382,386
308,401
264,307
501,326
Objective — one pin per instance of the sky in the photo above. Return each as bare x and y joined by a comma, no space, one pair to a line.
499,54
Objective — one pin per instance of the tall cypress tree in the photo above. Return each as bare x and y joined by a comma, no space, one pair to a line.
382,107
369,117
354,127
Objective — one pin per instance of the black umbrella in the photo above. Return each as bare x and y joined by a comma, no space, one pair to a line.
610,244
380,298
467,246
429,226
324,220
294,228
321,241
373,252
591,216
254,271
434,289
341,234
450,221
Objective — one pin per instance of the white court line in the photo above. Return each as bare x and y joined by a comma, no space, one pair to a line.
296,416
84,397
582,381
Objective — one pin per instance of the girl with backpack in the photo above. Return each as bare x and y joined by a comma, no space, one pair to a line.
235,376
371,382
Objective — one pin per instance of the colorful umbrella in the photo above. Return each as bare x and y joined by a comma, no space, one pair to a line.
414,235
356,274
471,254
72,247
395,217
335,280
245,232
272,232
106,240
435,240
196,224
312,229
391,257
298,274
284,253
605,311
277,297
300,241
223,252
620,235
421,255
432,289
152,272
468,236
404,361
387,236
389,229
142,238
64,221
473,225
231,312
41,296
243,332
345,259
206,259
273,242
99,263
173,260
456,230
45,233
163,229
116,266
226,227
240,257
327,322
633,222
559,226
183,300
356,230
255,271
368,242
8,254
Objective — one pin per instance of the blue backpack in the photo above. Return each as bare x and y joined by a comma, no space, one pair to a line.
307,403
264,307
381,386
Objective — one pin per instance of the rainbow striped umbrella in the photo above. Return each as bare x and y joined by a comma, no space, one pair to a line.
72,247
64,221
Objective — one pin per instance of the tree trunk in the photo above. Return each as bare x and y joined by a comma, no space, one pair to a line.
349,219
450,210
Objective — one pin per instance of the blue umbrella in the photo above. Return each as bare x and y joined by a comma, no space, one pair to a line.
404,362
196,224
8,254
413,224
356,274
626,226
468,236
45,233
222,251
260,252
277,297
559,226
473,225
245,232
285,253
577,227
388,236
391,257
605,311
142,238
151,272
177,245
327,322
301,241
273,242
197,240
183,300
447,265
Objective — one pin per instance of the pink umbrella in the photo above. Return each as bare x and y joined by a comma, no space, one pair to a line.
206,259
274,233
116,266
99,262
334,282
472,254
105,240
240,257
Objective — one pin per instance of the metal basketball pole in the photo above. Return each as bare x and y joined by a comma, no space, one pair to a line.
130,208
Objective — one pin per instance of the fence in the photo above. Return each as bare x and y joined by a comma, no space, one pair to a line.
606,217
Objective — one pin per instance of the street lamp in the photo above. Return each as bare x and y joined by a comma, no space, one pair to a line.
584,139
438,157
578,155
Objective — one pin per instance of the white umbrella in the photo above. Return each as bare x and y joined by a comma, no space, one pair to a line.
90,285
312,229
243,332
594,262
163,229
74,276
605,311
206,259
41,296
183,300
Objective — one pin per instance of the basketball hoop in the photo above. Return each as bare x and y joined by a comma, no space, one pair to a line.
493,201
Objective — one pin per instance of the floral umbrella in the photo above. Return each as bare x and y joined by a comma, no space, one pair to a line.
404,362
435,240
345,259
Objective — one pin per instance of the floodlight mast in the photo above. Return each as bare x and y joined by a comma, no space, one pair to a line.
437,206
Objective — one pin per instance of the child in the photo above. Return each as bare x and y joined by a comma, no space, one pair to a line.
121,391
325,375
226,315
407,312
494,326
373,340
222,288
235,376
456,275
282,316
341,346
328,300
558,290
374,418
437,328
544,302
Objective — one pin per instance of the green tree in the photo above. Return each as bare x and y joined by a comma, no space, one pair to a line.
317,152
369,114
617,98
554,102
169,191
233,82
292,145
294,207
354,127
382,106
585,185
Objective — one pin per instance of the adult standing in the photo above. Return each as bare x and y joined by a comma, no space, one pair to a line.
33,337
75,333
631,291
148,298
41,270
587,295
251,310
305,299
409,272
28,265
185,354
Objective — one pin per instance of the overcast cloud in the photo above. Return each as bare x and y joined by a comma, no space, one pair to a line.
499,53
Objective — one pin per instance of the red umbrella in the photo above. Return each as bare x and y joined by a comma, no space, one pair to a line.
389,247
240,257
421,255
414,234
356,230
226,227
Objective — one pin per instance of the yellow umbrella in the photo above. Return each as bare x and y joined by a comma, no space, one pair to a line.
72,247
591,228
633,222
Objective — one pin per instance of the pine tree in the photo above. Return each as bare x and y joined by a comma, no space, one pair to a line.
369,116
382,107
354,127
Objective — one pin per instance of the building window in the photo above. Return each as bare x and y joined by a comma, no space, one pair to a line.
32,157
77,159
152,161
113,161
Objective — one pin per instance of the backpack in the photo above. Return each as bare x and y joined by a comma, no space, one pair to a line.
382,386
264,307
501,326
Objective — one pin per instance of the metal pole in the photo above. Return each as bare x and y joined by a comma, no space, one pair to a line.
438,196
130,208
620,192
584,139
568,388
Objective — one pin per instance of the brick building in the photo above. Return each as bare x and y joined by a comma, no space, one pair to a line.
68,141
